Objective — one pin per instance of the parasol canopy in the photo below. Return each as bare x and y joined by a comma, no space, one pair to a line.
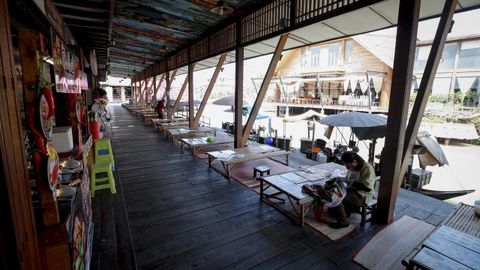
355,120
304,116
185,103
226,101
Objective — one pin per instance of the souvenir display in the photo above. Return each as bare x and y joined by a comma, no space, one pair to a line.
52,166
79,240
45,117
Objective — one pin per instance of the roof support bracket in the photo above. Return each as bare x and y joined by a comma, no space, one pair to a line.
209,89
170,78
264,88
427,80
180,95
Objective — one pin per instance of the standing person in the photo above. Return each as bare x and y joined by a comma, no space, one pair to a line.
160,108
358,192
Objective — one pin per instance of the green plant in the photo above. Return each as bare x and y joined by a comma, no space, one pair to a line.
438,98
471,98
455,97
413,96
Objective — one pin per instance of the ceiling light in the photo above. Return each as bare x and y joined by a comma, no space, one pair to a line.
221,8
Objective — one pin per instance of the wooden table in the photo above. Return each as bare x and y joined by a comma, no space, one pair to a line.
290,185
178,133
157,121
148,116
228,158
447,248
171,125
197,143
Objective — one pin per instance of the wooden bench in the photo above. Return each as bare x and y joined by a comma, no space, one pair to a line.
261,170
465,224
370,206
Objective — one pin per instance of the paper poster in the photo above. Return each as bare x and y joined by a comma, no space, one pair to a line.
67,69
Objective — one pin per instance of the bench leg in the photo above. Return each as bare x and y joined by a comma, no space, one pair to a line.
364,216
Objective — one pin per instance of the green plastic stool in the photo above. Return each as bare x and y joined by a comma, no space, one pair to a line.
103,151
101,177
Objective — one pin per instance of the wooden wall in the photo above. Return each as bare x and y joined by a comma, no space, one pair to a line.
12,151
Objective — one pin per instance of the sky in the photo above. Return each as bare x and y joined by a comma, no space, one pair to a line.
463,26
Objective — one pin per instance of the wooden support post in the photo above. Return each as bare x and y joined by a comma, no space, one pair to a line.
427,81
13,174
167,90
154,85
180,95
133,84
156,88
190,95
167,93
397,117
147,89
142,93
209,89
132,89
138,90
29,58
264,88
239,55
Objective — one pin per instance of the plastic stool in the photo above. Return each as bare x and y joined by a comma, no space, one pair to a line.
102,172
103,151
261,169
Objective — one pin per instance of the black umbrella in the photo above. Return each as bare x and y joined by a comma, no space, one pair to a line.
355,120
364,125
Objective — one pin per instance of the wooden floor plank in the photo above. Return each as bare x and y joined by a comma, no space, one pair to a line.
172,211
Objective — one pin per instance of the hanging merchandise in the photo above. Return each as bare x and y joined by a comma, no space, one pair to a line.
46,107
93,126
44,117
52,167
80,109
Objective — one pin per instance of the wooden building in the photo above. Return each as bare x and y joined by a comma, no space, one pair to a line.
333,74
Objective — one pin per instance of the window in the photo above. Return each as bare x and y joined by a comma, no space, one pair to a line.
446,62
448,56
348,51
128,92
469,54
304,58
326,55
315,56
421,56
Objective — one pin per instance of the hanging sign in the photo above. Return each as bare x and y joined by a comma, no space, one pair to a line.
67,69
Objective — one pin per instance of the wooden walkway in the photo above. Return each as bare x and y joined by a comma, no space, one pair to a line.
172,211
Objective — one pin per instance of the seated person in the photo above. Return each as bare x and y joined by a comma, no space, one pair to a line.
358,192
160,108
